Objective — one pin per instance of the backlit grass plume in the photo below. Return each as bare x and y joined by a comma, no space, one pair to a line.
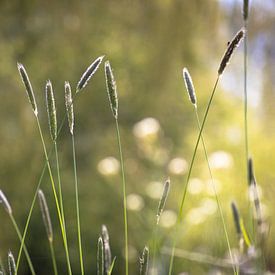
230,49
144,261
11,264
189,86
111,89
51,109
106,249
163,199
5,202
45,214
28,87
88,74
100,257
69,106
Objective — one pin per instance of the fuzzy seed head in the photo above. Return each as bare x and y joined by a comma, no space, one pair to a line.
163,199
144,261
51,110
106,248
11,264
45,215
236,217
111,89
189,86
69,106
5,202
230,49
28,87
90,71
251,178
100,257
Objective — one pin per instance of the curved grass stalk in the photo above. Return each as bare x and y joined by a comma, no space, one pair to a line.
77,209
24,247
124,198
53,259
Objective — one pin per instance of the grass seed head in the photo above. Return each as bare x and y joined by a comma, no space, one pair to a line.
51,110
251,178
144,261
163,199
236,217
5,202
106,248
28,87
230,49
69,106
11,263
189,86
111,89
45,215
245,9
100,257
88,74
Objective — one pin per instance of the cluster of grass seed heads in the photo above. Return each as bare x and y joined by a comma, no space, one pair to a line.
100,257
111,89
144,261
28,87
189,86
245,9
230,49
69,106
88,74
106,248
11,264
45,214
5,202
163,199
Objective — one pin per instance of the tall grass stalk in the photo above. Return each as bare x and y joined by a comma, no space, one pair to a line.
113,99
70,116
7,206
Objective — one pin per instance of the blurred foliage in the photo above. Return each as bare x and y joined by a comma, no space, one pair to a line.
148,43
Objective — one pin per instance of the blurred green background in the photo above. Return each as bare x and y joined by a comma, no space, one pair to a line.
148,43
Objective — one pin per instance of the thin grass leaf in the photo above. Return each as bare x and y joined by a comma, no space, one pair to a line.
163,199
45,215
11,263
189,86
245,9
28,87
88,74
236,217
5,202
106,249
69,106
111,89
51,110
112,266
100,257
230,49
244,233
144,261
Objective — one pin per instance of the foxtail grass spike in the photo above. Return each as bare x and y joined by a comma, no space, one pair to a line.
163,199
236,217
189,86
250,172
100,257
88,74
45,215
28,87
230,49
144,261
69,106
5,202
106,249
11,263
51,110
245,9
111,89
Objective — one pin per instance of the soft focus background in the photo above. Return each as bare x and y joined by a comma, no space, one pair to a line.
148,43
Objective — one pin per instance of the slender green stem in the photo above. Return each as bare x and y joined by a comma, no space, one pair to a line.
24,247
124,198
154,249
179,218
59,186
235,268
53,258
56,199
77,209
